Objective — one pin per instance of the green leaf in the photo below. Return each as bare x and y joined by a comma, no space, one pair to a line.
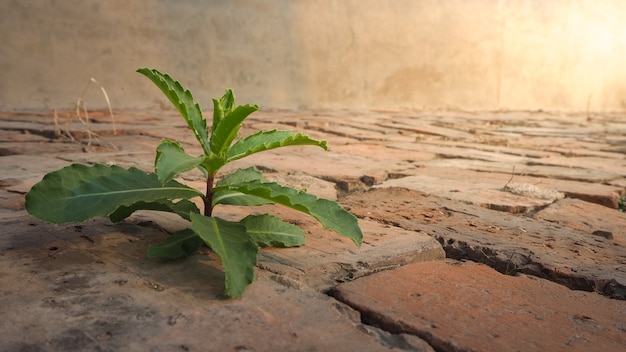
228,127
171,160
180,244
228,197
222,106
269,231
79,192
266,140
240,176
183,207
227,101
330,214
212,164
183,101
227,120
231,242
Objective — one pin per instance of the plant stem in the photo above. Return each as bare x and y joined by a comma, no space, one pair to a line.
208,200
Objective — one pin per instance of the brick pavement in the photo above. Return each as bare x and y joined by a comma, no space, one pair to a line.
523,192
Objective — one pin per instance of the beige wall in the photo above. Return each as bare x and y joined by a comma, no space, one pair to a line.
319,54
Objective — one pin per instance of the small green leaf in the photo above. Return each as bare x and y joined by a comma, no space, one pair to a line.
79,192
183,207
222,107
227,129
183,101
266,140
269,231
212,164
180,244
228,197
227,101
231,242
330,214
227,120
171,160
240,176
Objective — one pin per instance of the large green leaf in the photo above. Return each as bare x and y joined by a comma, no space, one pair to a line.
231,242
265,140
269,231
180,244
183,207
329,213
79,192
171,160
227,129
183,101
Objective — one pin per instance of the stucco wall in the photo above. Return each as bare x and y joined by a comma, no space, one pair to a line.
319,54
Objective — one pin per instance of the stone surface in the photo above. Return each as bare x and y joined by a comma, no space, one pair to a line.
487,187
589,219
589,174
91,287
326,258
574,257
483,191
463,306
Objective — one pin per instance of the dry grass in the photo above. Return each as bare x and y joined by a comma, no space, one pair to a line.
61,130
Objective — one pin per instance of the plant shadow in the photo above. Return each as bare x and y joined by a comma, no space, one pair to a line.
100,249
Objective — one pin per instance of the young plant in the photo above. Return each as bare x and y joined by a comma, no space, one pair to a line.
78,192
